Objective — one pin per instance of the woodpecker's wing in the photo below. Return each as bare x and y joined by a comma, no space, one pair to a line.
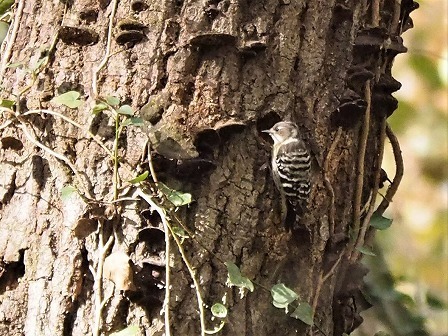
293,162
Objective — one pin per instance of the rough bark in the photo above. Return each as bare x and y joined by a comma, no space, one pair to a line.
207,77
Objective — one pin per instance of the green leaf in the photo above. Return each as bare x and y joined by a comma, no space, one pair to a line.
99,107
282,296
236,279
176,197
366,251
7,103
402,298
5,5
405,115
136,121
219,310
132,330
139,178
304,313
435,302
39,63
125,123
112,101
132,121
426,68
125,110
178,231
67,191
379,222
216,330
4,27
15,65
69,99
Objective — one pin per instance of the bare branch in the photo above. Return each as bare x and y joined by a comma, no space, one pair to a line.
366,222
12,38
360,165
107,53
327,183
398,173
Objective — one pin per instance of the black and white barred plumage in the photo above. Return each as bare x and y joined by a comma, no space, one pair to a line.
291,164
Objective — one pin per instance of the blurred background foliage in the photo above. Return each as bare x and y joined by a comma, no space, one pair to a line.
408,282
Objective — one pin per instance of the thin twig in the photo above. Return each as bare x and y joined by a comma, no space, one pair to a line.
323,279
360,165
366,205
151,166
162,214
366,222
181,251
56,155
399,169
195,282
107,54
11,39
395,23
172,214
317,293
333,268
115,179
74,123
98,285
193,236
331,214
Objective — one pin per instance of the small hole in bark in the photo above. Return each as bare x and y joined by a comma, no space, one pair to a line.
130,37
84,227
104,3
152,236
69,86
213,39
267,121
350,111
78,35
151,216
194,168
149,292
89,15
206,140
9,142
349,114
228,128
139,6
12,272
129,24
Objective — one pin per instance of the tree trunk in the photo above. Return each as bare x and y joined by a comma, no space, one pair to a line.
206,77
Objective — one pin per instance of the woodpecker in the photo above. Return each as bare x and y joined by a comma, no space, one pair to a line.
291,165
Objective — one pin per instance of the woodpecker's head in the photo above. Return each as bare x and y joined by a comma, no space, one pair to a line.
282,131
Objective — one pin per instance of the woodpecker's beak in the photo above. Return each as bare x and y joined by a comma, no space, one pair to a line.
268,131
